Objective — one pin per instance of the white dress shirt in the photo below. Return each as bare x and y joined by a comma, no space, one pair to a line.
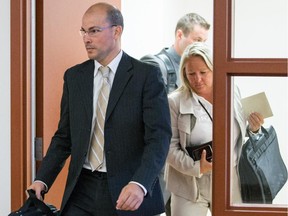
113,65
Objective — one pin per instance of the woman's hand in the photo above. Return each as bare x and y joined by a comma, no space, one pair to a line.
205,166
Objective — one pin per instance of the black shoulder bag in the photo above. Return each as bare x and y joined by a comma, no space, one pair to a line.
171,71
35,207
261,168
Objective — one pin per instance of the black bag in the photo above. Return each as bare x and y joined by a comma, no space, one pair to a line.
261,168
168,67
195,151
171,70
35,207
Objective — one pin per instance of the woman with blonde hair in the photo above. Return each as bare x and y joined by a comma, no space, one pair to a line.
191,120
189,180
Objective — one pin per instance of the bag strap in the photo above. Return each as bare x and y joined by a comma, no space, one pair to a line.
38,203
167,61
205,110
171,72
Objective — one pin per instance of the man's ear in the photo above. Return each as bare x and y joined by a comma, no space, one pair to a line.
118,30
179,34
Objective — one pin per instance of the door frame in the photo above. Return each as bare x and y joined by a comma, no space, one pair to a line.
20,97
226,67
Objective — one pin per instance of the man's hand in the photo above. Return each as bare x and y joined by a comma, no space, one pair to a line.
38,187
130,197
255,121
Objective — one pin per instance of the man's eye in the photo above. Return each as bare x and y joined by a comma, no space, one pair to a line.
93,31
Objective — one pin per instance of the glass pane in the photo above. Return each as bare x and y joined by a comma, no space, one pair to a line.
275,90
260,29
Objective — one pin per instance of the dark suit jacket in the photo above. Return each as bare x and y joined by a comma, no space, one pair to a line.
137,131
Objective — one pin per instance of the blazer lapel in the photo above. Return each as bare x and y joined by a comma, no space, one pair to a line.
186,111
85,84
186,106
122,76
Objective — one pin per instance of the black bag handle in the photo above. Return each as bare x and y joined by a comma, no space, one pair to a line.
33,200
254,142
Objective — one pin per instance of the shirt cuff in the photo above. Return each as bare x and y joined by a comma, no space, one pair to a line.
46,187
257,135
143,188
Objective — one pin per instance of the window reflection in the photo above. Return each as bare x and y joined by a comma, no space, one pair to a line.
276,92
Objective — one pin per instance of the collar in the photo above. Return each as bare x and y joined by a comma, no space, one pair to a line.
113,65
171,50
188,100
186,105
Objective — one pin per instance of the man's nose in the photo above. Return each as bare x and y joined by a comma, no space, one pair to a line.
86,38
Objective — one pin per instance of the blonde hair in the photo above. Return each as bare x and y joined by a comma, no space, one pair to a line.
195,49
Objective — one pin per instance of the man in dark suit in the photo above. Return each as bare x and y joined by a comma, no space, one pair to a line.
136,132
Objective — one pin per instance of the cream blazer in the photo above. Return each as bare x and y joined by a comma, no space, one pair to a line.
181,170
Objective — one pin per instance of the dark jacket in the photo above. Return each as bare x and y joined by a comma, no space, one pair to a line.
137,131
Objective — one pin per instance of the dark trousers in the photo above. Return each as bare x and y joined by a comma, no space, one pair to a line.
167,208
91,196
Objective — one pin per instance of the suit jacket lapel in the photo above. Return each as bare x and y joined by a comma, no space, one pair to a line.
122,76
85,84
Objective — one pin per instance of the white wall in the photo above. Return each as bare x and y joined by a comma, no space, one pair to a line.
5,178
150,24
261,29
